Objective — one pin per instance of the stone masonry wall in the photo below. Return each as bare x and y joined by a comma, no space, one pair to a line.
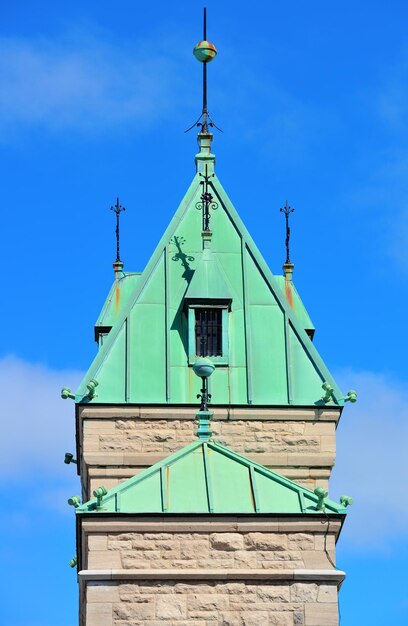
215,603
216,550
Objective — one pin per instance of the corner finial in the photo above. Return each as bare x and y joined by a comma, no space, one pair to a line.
204,51
288,265
118,264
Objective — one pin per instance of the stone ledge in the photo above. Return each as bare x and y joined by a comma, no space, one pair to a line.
250,413
278,459
318,575
205,524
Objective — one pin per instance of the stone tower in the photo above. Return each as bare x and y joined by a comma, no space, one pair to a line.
228,523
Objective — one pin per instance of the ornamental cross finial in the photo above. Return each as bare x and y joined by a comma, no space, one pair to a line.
118,210
206,201
287,210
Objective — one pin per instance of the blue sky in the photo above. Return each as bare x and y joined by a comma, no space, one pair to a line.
313,102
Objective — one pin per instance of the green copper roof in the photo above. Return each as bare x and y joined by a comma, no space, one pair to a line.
117,298
296,304
206,477
147,356
208,282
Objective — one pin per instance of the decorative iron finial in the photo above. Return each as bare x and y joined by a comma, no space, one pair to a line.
117,209
204,396
206,201
287,210
204,52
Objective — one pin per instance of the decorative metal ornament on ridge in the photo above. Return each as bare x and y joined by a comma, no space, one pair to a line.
287,210
118,210
206,201
204,51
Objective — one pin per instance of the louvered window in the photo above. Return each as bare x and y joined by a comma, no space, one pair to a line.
208,331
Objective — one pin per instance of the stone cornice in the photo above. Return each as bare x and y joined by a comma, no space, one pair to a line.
310,575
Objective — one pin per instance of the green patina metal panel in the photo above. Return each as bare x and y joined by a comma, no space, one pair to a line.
219,385
238,384
236,330
112,376
306,383
186,484
147,356
267,337
117,299
147,498
296,304
231,485
269,381
275,496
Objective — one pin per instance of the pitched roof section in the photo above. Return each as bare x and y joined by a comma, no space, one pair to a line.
206,477
118,295
145,358
208,282
296,304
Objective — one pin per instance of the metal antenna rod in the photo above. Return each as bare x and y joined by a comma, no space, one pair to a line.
204,128
287,210
117,209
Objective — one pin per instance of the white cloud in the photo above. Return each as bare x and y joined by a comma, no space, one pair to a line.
372,464
38,427
82,82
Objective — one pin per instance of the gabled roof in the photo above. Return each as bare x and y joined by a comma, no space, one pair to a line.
145,358
208,282
206,477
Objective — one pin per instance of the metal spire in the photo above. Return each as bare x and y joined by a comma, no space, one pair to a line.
287,210
117,209
204,52
206,201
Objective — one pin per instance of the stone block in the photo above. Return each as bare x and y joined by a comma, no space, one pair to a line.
99,614
97,542
314,559
266,541
328,443
303,592
254,618
327,593
98,426
273,593
280,619
104,559
207,602
227,541
102,592
229,618
301,541
91,442
171,607
133,611
299,618
321,615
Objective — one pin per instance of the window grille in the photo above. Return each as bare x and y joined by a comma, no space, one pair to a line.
208,332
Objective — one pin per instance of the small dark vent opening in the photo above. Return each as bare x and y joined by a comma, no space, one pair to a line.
208,332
